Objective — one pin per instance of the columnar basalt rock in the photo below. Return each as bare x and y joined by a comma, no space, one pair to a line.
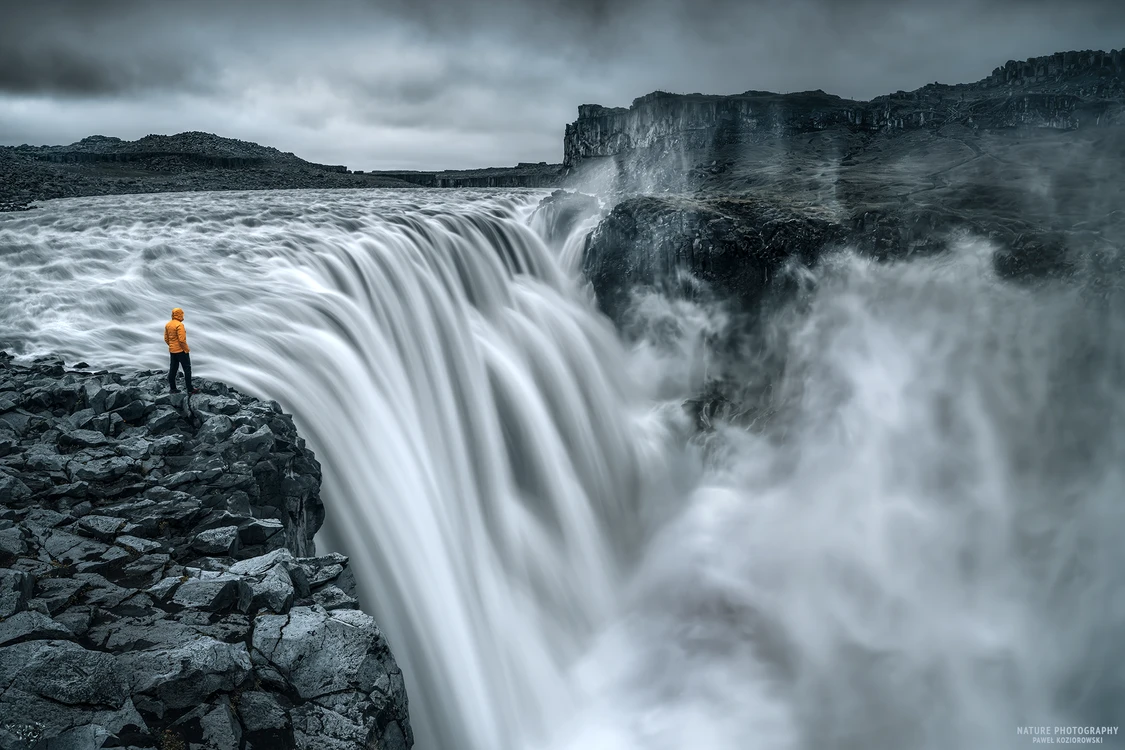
1064,91
159,586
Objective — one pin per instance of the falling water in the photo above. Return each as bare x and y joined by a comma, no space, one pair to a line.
919,549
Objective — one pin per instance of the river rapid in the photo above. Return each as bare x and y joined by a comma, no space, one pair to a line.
920,548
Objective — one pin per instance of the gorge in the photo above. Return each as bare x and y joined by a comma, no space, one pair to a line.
793,423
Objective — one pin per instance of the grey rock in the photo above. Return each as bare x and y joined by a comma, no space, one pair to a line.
163,418
136,544
187,674
64,547
59,593
168,445
136,448
274,591
217,404
134,411
79,419
12,543
258,441
333,597
29,626
103,528
260,531
64,672
221,541
44,518
7,445
221,730
12,489
15,591
83,439
214,595
260,711
317,651
71,490
101,592
165,587
319,728
76,619
259,566
101,470
216,430
99,616
42,457
320,573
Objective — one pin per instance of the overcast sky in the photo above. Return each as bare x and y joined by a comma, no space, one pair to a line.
426,84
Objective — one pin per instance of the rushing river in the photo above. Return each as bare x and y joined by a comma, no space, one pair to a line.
921,549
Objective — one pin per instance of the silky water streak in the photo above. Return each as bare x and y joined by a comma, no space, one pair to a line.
917,545
470,410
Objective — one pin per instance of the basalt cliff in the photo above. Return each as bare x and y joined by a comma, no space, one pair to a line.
1066,91
733,188
159,588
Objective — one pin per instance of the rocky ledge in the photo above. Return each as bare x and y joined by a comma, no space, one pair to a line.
158,582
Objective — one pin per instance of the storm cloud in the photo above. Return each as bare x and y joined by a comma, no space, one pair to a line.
435,83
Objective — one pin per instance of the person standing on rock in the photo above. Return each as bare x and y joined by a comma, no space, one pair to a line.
175,336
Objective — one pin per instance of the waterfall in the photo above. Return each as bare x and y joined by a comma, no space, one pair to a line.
919,549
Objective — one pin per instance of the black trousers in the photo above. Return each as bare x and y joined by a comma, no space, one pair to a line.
179,359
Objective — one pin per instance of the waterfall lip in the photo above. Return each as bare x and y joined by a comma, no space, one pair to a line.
393,326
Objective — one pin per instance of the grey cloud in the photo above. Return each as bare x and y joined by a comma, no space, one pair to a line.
433,83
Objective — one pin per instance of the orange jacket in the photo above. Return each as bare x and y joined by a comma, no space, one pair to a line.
174,334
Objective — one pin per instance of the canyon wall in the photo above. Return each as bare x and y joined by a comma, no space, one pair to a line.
1064,91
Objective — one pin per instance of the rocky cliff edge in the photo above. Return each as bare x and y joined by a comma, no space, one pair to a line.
158,583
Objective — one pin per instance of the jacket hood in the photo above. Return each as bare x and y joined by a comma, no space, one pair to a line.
177,313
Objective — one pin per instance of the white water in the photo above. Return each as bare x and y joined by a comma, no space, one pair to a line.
922,550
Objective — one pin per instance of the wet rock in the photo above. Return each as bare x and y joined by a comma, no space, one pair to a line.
83,439
104,528
220,541
187,674
102,470
214,595
30,626
136,544
333,597
63,672
15,591
260,712
12,489
125,615
216,430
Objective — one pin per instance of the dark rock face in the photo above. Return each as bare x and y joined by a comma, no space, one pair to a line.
732,250
1027,160
1064,91
158,583
734,246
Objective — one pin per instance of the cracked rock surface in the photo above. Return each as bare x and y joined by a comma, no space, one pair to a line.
159,587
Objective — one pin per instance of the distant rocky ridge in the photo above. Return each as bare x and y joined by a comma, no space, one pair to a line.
158,583
524,175
101,165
